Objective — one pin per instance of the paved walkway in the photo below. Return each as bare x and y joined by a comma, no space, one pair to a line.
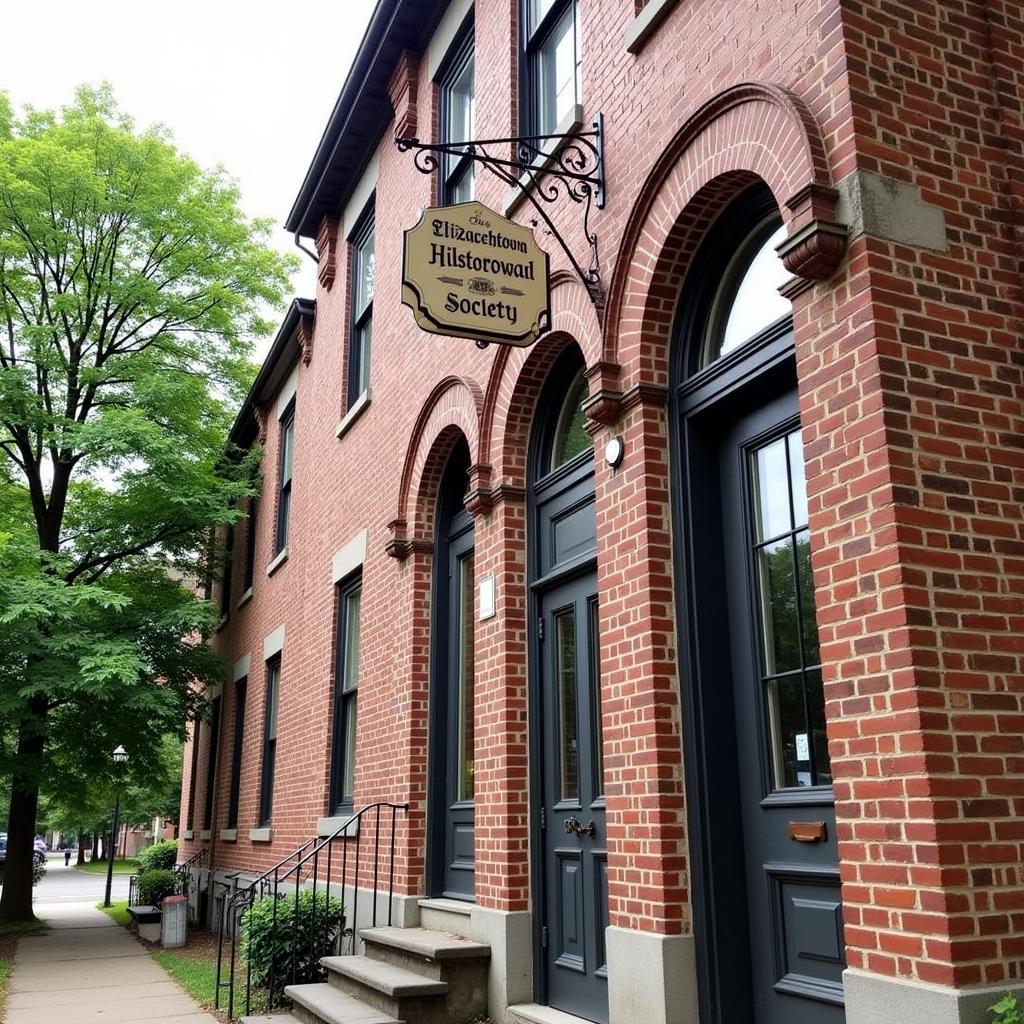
87,969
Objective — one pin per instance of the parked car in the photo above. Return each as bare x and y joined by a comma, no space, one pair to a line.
40,847
3,853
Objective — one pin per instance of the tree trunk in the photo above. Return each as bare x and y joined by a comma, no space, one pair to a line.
16,899
81,848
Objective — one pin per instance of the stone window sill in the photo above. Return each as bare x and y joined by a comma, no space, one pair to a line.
221,623
188,834
244,599
205,834
229,835
328,826
572,122
359,406
646,23
278,560
260,835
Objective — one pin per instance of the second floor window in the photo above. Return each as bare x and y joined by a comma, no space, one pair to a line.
211,770
346,676
190,817
250,547
361,330
456,87
551,64
284,498
225,580
269,741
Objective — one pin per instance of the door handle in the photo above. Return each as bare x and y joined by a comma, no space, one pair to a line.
574,825
807,831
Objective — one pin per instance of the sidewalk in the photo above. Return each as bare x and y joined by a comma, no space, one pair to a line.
88,969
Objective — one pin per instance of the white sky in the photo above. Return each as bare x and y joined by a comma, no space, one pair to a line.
246,85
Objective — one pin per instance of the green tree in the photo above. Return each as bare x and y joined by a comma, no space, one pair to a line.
130,287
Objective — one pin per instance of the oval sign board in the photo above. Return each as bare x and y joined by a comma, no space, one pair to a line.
468,272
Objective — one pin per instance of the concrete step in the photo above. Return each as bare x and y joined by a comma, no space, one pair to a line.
535,1013
426,944
394,990
444,915
324,1004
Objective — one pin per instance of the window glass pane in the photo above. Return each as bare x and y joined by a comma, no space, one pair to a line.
460,105
272,693
462,188
287,448
771,490
538,8
565,637
595,683
790,745
797,478
812,653
364,267
466,668
351,674
819,741
348,784
756,301
571,436
365,339
558,72
778,606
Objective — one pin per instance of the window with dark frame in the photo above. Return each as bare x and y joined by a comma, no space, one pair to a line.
269,740
190,817
346,685
551,65
226,570
211,770
236,753
285,461
250,547
361,327
456,93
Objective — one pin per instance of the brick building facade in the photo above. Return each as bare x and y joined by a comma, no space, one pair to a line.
787,627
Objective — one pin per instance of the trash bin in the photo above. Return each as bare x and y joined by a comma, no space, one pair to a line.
173,922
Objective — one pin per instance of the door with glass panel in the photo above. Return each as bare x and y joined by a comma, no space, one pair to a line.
451,854
785,781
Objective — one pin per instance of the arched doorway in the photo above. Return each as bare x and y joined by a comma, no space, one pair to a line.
570,858
768,914
451,859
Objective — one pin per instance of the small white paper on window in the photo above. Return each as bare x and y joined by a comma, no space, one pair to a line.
803,749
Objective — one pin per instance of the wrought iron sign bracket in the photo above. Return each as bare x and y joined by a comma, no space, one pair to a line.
544,168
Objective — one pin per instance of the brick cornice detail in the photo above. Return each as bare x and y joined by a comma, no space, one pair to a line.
402,90
261,413
649,395
479,500
604,404
304,339
327,251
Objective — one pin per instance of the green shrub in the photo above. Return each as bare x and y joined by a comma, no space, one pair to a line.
159,856
269,939
38,870
1006,1011
154,885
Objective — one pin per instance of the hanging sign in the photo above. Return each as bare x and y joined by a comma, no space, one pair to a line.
467,272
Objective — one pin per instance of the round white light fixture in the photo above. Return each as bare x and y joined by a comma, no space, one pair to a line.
614,452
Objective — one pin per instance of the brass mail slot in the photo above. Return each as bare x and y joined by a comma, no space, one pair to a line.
807,831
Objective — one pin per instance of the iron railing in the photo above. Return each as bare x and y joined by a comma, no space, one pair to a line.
184,875
354,856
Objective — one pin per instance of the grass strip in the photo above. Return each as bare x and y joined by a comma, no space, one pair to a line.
5,976
118,911
197,977
15,928
99,867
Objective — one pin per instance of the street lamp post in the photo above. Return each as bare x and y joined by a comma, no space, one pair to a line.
120,756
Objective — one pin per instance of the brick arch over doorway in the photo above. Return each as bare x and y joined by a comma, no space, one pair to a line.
749,131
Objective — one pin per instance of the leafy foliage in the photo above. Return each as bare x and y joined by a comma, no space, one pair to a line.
131,285
154,885
38,871
159,856
1006,1011
274,934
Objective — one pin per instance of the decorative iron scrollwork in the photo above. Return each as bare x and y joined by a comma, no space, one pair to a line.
573,826
543,168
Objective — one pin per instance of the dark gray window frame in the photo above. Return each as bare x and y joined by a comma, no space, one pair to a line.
190,817
344,700
211,770
241,687
462,51
250,547
284,486
360,333
271,707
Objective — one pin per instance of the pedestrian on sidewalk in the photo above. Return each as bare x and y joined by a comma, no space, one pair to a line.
67,855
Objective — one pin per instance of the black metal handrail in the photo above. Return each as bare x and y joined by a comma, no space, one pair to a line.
311,868
183,874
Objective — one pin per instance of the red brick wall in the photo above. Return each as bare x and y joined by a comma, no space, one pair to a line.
909,365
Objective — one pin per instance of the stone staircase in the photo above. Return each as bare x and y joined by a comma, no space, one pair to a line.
406,976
